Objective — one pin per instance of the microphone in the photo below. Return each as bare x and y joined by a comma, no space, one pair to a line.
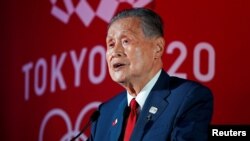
92,119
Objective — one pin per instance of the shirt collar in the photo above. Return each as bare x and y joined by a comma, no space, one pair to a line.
143,94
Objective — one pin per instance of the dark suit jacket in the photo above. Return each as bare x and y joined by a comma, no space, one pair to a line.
184,113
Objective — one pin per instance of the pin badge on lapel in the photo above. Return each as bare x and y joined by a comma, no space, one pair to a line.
153,110
114,122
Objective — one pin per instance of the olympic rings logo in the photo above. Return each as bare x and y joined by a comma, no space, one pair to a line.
62,114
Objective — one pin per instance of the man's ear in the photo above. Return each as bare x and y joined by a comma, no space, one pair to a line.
160,44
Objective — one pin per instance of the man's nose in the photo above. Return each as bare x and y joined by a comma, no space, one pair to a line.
118,51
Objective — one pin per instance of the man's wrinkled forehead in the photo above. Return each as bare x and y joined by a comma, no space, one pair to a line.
128,25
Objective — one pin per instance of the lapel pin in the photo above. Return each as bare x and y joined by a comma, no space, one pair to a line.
114,122
153,110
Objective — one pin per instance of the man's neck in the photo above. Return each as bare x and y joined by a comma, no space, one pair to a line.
135,87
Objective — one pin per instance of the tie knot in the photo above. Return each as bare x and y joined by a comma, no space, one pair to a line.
133,104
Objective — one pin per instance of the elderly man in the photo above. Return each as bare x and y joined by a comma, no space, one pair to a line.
155,106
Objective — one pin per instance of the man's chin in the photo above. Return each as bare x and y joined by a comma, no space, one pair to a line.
119,80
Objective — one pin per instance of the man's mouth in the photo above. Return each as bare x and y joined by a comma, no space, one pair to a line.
118,65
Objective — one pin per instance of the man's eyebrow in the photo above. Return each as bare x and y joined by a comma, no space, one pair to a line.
131,33
109,39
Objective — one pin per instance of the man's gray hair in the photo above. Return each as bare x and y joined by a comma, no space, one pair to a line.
152,24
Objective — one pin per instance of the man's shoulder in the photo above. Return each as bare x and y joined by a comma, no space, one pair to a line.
176,82
189,88
167,81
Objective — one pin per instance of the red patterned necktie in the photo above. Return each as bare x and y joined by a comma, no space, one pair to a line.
131,119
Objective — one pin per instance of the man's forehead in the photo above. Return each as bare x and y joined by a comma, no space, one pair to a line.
124,27
124,32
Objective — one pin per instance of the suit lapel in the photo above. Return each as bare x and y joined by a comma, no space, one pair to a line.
155,101
117,121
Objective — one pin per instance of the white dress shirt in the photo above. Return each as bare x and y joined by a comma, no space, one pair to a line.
143,94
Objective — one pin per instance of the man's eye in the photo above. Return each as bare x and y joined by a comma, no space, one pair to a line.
125,42
111,45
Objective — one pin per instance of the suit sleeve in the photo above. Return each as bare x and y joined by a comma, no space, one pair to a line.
194,116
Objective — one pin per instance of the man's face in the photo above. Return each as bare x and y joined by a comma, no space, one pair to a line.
130,55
